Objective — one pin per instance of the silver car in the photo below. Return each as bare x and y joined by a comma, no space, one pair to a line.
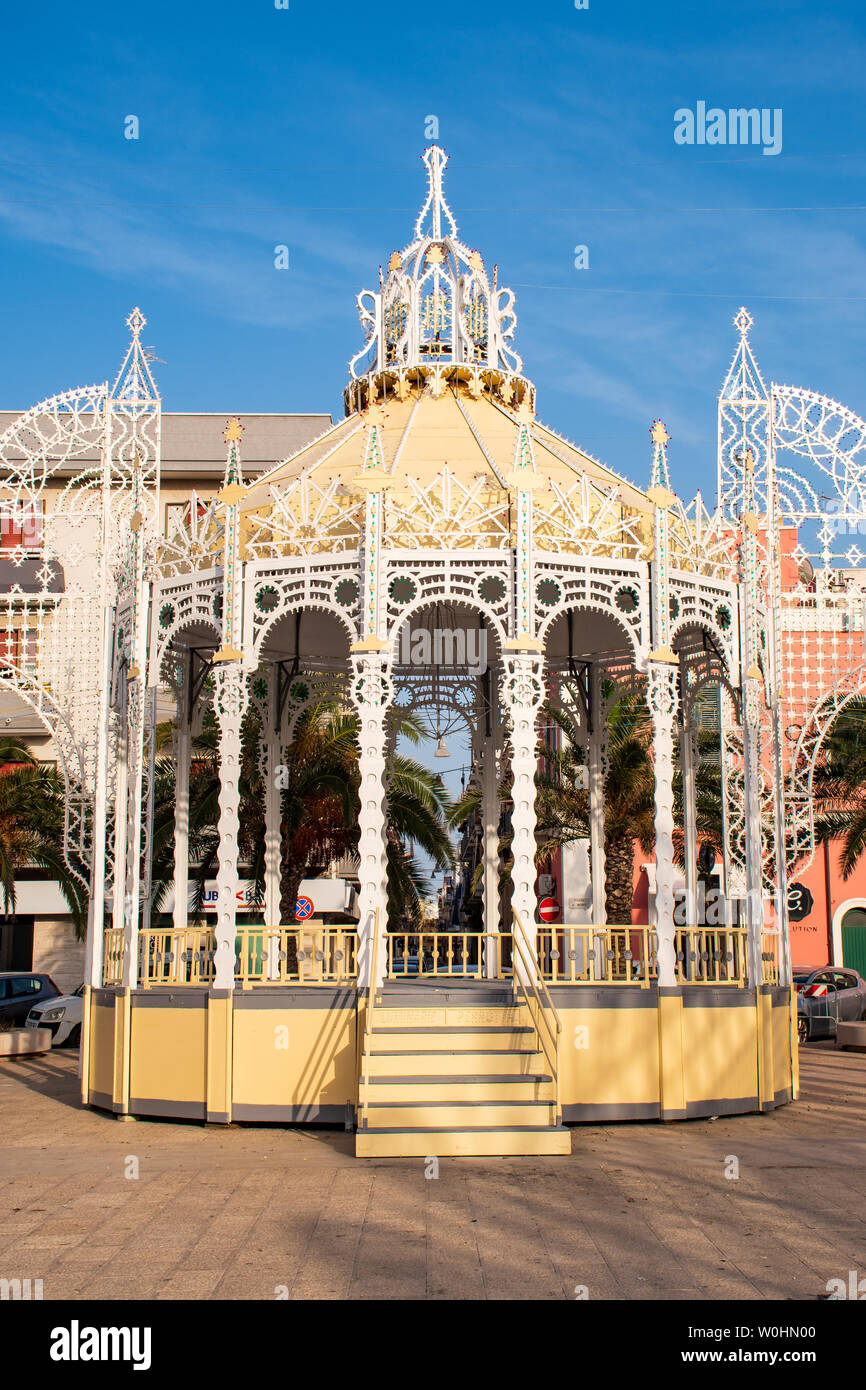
827,995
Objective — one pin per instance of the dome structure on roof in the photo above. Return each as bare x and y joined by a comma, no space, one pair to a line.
437,311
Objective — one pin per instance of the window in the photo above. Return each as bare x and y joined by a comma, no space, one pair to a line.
18,648
20,526
24,984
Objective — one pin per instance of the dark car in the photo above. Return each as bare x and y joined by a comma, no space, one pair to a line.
826,996
20,990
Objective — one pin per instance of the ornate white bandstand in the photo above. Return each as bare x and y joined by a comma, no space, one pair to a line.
441,501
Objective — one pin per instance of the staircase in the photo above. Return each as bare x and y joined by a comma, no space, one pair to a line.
456,1069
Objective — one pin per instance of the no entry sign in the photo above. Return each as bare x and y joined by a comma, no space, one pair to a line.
548,909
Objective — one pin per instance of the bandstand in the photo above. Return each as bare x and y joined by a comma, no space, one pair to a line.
439,503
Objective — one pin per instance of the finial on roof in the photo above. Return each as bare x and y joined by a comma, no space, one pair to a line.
743,321
436,310
134,381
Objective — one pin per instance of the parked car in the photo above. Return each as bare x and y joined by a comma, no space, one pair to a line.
20,990
826,996
62,1017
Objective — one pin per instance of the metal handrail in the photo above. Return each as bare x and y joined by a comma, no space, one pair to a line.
542,999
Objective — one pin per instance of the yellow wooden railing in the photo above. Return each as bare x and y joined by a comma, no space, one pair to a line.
771,965
464,954
308,955
314,954
112,956
173,957
711,956
542,1010
587,954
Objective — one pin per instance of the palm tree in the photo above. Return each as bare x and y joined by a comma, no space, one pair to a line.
319,783
629,791
839,785
32,814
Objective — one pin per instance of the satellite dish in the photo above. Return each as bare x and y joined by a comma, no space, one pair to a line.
805,573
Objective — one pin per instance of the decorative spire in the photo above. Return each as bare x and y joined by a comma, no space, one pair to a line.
232,435
435,205
659,477
231,494
661,497
134,381
744,381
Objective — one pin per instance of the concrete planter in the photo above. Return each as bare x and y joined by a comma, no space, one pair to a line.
18,1042
851,1035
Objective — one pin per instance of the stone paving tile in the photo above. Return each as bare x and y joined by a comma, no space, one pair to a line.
637,1211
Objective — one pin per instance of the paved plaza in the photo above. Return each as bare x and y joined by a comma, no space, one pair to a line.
638,1211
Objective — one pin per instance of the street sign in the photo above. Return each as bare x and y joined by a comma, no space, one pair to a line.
548,909
800,901
304,909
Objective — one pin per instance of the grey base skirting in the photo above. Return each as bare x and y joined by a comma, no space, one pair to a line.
170,1109
595,1114
100,1100
291,1114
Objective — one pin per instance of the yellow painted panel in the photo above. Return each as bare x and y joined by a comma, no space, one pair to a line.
102,1048
294,1057
168,1055
609,1056
720,1053
784,1081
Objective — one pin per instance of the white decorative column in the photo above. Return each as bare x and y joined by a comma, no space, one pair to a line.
753,690
273,759
688,771
230,701
372,693
136,702
595,769
662,695
372,696
231,696
183,748
490,754
522,696
663,700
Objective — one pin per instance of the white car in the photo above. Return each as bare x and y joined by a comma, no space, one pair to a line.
62,1017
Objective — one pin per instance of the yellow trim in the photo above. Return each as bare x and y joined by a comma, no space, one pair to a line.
661,496
522,644
231,493
227,654
665,655
370,644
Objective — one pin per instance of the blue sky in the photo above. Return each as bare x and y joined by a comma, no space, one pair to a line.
303,127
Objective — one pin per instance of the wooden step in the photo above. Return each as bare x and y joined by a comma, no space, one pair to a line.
495,1037
436,1114
416,1063
399,1015
496,1087
462,1143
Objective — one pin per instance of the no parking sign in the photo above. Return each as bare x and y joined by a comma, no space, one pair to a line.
304,909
